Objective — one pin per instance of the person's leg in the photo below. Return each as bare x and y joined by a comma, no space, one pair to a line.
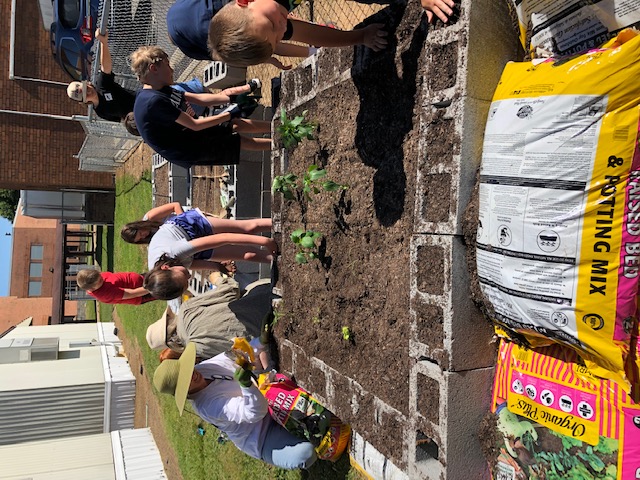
255,144
256,225
247,125
285,450
241,252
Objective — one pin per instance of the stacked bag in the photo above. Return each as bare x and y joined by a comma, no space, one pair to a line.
558,245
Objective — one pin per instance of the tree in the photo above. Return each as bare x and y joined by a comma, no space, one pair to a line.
8,203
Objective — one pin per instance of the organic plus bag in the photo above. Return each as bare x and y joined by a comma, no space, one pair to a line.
558,242
557,421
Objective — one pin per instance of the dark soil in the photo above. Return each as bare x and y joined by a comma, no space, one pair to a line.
367,137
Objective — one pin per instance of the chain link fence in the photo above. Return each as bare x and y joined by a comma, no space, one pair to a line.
134,23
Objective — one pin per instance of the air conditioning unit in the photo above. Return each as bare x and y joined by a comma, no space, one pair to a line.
21,350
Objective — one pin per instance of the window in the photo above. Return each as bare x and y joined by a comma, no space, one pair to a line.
35,288
36,252
35,270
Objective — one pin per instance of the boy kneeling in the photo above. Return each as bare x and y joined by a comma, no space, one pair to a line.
166,121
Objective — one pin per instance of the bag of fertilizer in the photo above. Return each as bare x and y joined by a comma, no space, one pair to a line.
558,242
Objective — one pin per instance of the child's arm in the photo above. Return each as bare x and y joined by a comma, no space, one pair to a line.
441,8
202,123
163,211
372,36
209,99
134,292
219,239
285,49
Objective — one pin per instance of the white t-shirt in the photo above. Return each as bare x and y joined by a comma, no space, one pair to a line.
242,413
172,240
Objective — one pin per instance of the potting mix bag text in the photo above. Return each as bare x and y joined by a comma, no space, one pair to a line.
558,242
301,414
557,421
568,27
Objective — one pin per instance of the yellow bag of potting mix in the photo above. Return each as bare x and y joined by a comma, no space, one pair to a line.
569,27
557,421
558,242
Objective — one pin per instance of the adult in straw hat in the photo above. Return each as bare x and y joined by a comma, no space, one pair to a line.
224,395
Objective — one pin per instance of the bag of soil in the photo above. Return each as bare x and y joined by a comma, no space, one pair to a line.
301,414
558,242
550,27
554,420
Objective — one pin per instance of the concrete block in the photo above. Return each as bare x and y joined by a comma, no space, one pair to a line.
220,75
448,448
447,328
372,462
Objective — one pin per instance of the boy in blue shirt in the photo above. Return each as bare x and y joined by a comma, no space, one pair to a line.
188,24
166,121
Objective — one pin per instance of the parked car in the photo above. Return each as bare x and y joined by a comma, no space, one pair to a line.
71,35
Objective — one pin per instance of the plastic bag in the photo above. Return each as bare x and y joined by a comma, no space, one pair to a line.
558,242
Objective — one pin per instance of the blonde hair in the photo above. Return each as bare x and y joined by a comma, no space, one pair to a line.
88,278
233,40
144,57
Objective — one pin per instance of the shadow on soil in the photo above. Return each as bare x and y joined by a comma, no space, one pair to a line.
387,89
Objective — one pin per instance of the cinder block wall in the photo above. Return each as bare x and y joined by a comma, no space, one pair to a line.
37,152
451,342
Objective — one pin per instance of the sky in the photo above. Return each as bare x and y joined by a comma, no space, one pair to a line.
5,255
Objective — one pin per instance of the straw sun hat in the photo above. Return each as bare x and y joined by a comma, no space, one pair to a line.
173,377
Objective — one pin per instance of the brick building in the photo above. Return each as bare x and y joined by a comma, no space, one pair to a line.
37,275
38,150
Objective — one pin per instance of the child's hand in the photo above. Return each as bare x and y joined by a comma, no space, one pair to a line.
441,8
374,37
102,37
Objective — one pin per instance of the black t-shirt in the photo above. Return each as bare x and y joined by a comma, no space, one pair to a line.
114,101
156,112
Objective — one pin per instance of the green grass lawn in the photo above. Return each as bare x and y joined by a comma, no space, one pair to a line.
199,456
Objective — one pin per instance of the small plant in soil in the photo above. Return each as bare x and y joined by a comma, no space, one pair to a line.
305,241
313,182
286,185
293,131
346,334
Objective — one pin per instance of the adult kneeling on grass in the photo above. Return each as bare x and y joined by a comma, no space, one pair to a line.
224,395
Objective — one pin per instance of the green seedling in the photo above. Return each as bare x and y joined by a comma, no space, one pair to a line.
305,241
286,185
313,183
295,130
346,334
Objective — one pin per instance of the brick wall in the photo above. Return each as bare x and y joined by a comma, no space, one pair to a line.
30,231
38,152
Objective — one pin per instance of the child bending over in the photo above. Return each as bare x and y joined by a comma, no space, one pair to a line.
169,278
107,287
166,121
248,32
